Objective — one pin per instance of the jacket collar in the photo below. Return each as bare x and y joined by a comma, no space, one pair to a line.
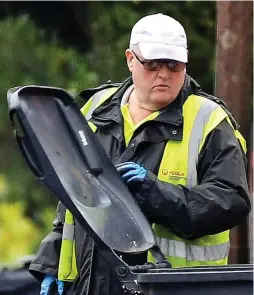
172,114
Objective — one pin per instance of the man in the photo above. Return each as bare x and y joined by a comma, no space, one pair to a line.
177,150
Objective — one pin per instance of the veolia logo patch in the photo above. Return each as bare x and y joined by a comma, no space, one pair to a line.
82,137
172,174
169,172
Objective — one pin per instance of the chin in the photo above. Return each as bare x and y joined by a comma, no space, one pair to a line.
163,99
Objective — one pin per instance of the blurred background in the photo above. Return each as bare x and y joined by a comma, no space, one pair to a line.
75,45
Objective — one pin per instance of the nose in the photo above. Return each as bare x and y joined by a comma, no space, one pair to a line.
164,72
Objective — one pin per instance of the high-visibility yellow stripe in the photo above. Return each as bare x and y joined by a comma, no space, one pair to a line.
92,126
96,100
67,270
239,136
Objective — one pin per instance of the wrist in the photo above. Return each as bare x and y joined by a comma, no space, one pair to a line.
148,181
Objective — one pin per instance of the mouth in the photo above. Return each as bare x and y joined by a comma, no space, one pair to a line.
161,85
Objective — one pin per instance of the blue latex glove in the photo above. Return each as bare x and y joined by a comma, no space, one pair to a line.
131,172
60,287
47,284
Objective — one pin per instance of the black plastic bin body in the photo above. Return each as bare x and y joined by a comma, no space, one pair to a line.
18,282
229,280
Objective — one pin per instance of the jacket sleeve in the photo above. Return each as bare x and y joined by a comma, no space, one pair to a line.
47,257
219,202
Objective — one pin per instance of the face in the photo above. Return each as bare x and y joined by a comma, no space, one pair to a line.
154,89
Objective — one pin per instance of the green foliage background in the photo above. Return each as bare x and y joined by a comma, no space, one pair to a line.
27,208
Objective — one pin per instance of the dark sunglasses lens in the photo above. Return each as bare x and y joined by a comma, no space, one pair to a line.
151,66
173,66
176,66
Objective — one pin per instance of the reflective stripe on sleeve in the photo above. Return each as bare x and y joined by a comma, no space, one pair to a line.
68,232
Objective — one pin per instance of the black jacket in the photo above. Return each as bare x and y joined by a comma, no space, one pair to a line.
219,202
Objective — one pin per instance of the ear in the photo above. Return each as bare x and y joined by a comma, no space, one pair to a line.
129,59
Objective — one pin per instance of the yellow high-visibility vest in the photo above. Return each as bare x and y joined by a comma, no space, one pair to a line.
201,116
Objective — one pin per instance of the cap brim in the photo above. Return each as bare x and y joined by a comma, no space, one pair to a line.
163,51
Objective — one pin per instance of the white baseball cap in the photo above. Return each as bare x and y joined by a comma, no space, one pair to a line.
160,37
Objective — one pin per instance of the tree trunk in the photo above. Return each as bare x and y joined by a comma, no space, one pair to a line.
234,86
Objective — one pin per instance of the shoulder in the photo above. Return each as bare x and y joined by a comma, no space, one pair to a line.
89,92
222,104
212,98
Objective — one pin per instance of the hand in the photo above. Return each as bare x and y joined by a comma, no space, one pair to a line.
131,172
138,179
48,283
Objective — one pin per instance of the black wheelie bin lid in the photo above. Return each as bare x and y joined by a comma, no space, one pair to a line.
63,152
218,280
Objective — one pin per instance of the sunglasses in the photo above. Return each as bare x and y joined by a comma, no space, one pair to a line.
156,65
